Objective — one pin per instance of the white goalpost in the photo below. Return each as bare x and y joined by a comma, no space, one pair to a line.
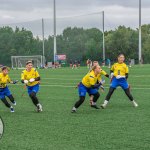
19,62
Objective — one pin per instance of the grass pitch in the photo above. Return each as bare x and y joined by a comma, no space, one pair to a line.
118,127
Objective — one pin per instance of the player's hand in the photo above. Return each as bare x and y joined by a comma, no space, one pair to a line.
32,80
26,81
111,75
102,82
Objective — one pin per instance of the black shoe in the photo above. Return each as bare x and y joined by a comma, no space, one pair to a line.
95,106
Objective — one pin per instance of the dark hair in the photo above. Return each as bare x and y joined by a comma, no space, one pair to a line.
121,54
3,68
28,62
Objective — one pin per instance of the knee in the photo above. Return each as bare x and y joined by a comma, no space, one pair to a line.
82,98
32,94
97,95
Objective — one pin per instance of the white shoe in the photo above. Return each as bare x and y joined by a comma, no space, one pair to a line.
14,103
134,104
12,110
39,107
103,106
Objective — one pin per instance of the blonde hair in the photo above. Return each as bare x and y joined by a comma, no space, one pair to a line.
94,67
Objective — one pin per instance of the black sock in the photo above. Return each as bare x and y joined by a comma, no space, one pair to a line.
111,90
6,103
11,98
34,98
96,96
127,91
79,102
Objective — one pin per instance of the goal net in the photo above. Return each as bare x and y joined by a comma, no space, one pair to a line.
19,62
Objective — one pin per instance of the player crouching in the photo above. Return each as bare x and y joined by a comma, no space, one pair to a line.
89,85
4,90
31,78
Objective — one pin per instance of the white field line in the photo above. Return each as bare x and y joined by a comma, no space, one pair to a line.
70,86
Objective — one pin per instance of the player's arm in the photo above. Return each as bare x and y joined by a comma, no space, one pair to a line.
127,72
11,81
37,77
104,73
93,85
23,80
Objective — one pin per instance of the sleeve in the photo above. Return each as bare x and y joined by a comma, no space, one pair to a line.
36,74
112,68
8,79
127,69
22,76
103,72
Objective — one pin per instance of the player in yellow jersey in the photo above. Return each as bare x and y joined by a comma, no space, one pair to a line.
89,85
31,78
102,73
4,90
119,75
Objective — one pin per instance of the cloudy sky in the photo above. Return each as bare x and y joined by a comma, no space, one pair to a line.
28,13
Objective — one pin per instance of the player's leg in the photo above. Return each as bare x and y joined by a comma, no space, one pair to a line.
125,87
3,99
112,88
9,95
32,91
91,99
7,104
96,95
108,96
82,93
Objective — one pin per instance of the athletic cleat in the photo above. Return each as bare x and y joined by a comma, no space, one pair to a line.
14,103
73,111
12,109
95,106
39,108
134,104
103,106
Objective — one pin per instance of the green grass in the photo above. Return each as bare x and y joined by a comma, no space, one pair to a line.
119,127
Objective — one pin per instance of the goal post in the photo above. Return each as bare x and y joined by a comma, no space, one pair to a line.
19,62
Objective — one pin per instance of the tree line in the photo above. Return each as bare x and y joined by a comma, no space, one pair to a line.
77,43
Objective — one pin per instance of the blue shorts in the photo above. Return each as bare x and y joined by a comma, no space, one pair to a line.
4,92
34,88
83,89
119,82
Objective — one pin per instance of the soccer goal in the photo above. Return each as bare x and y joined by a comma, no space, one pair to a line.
19,62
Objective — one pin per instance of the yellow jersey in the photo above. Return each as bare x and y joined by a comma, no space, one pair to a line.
120,69
90,79
100,75
4,79
27,75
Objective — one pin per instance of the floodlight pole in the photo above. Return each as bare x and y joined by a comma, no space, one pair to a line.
140,45
55,49
103,36
43,41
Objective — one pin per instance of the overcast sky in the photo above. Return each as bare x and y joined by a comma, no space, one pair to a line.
117,12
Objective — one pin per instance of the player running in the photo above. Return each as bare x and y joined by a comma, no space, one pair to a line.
119,73
4,90
31,78
89,85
